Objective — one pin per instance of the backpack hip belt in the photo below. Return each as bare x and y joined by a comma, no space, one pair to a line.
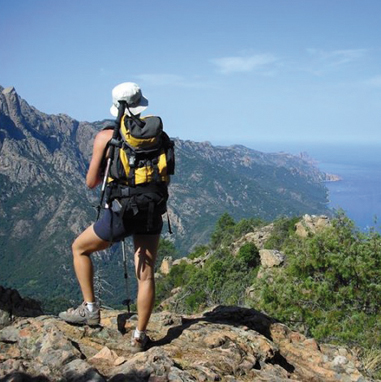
148,200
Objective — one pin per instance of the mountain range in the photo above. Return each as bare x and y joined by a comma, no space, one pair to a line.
44,203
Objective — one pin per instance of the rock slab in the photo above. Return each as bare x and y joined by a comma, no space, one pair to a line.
223,344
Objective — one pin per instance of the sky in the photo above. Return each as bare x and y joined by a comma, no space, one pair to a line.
223,71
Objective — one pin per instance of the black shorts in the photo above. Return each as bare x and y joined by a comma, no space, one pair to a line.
111,227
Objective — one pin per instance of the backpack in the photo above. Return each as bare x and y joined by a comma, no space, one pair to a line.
140,169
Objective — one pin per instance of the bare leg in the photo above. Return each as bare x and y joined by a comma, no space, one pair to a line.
145,256
84,245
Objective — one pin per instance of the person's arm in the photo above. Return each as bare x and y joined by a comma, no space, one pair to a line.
93,177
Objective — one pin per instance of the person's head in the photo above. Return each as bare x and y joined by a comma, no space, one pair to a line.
132,94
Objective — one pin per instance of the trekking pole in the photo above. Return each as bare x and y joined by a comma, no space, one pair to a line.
127,301
113,142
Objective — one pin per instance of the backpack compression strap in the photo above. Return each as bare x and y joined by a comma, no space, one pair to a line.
138,121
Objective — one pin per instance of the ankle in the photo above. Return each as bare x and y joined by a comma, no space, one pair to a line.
90,306
139,334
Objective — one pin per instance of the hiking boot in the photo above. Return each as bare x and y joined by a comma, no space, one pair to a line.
138,343
81,315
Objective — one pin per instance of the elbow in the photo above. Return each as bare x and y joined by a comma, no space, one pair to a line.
91,183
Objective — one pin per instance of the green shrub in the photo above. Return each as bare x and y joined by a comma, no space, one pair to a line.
199,251
331,285
245,226
283,228
249,254
223,230
178,276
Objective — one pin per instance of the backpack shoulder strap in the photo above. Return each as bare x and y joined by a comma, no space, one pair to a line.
108,127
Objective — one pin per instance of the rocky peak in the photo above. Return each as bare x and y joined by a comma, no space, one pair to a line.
8,90
24,121
11,101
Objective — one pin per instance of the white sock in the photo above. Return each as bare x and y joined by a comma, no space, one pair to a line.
90,306
139,334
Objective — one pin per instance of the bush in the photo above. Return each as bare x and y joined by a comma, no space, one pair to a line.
223,231
178,276
329,288
249,254
283,228
199,251
331,285
245,226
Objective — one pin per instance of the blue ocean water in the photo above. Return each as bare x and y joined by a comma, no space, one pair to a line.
358,165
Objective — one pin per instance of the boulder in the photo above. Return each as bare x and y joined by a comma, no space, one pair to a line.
311,224
271,258
166,265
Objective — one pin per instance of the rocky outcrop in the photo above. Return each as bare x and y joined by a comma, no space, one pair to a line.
223,344
168,262
12,305
258,236
166,265
311,224
333,178
271,258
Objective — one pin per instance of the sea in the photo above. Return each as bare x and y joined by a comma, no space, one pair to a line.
358,165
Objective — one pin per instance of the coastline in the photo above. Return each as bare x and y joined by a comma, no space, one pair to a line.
353,175
332,178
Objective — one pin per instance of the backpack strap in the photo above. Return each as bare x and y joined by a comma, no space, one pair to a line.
151,209
119,191
132,164
136,119
156,175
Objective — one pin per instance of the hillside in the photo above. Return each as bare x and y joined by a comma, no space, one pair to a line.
320,276
44,203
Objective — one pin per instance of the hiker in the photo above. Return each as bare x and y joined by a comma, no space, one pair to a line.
114,226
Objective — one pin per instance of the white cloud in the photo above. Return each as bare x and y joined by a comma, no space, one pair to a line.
236,64
337,57
165,79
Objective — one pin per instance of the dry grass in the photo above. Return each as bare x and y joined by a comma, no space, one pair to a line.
371,362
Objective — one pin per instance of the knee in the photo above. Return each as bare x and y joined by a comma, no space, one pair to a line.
77,249
145,278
